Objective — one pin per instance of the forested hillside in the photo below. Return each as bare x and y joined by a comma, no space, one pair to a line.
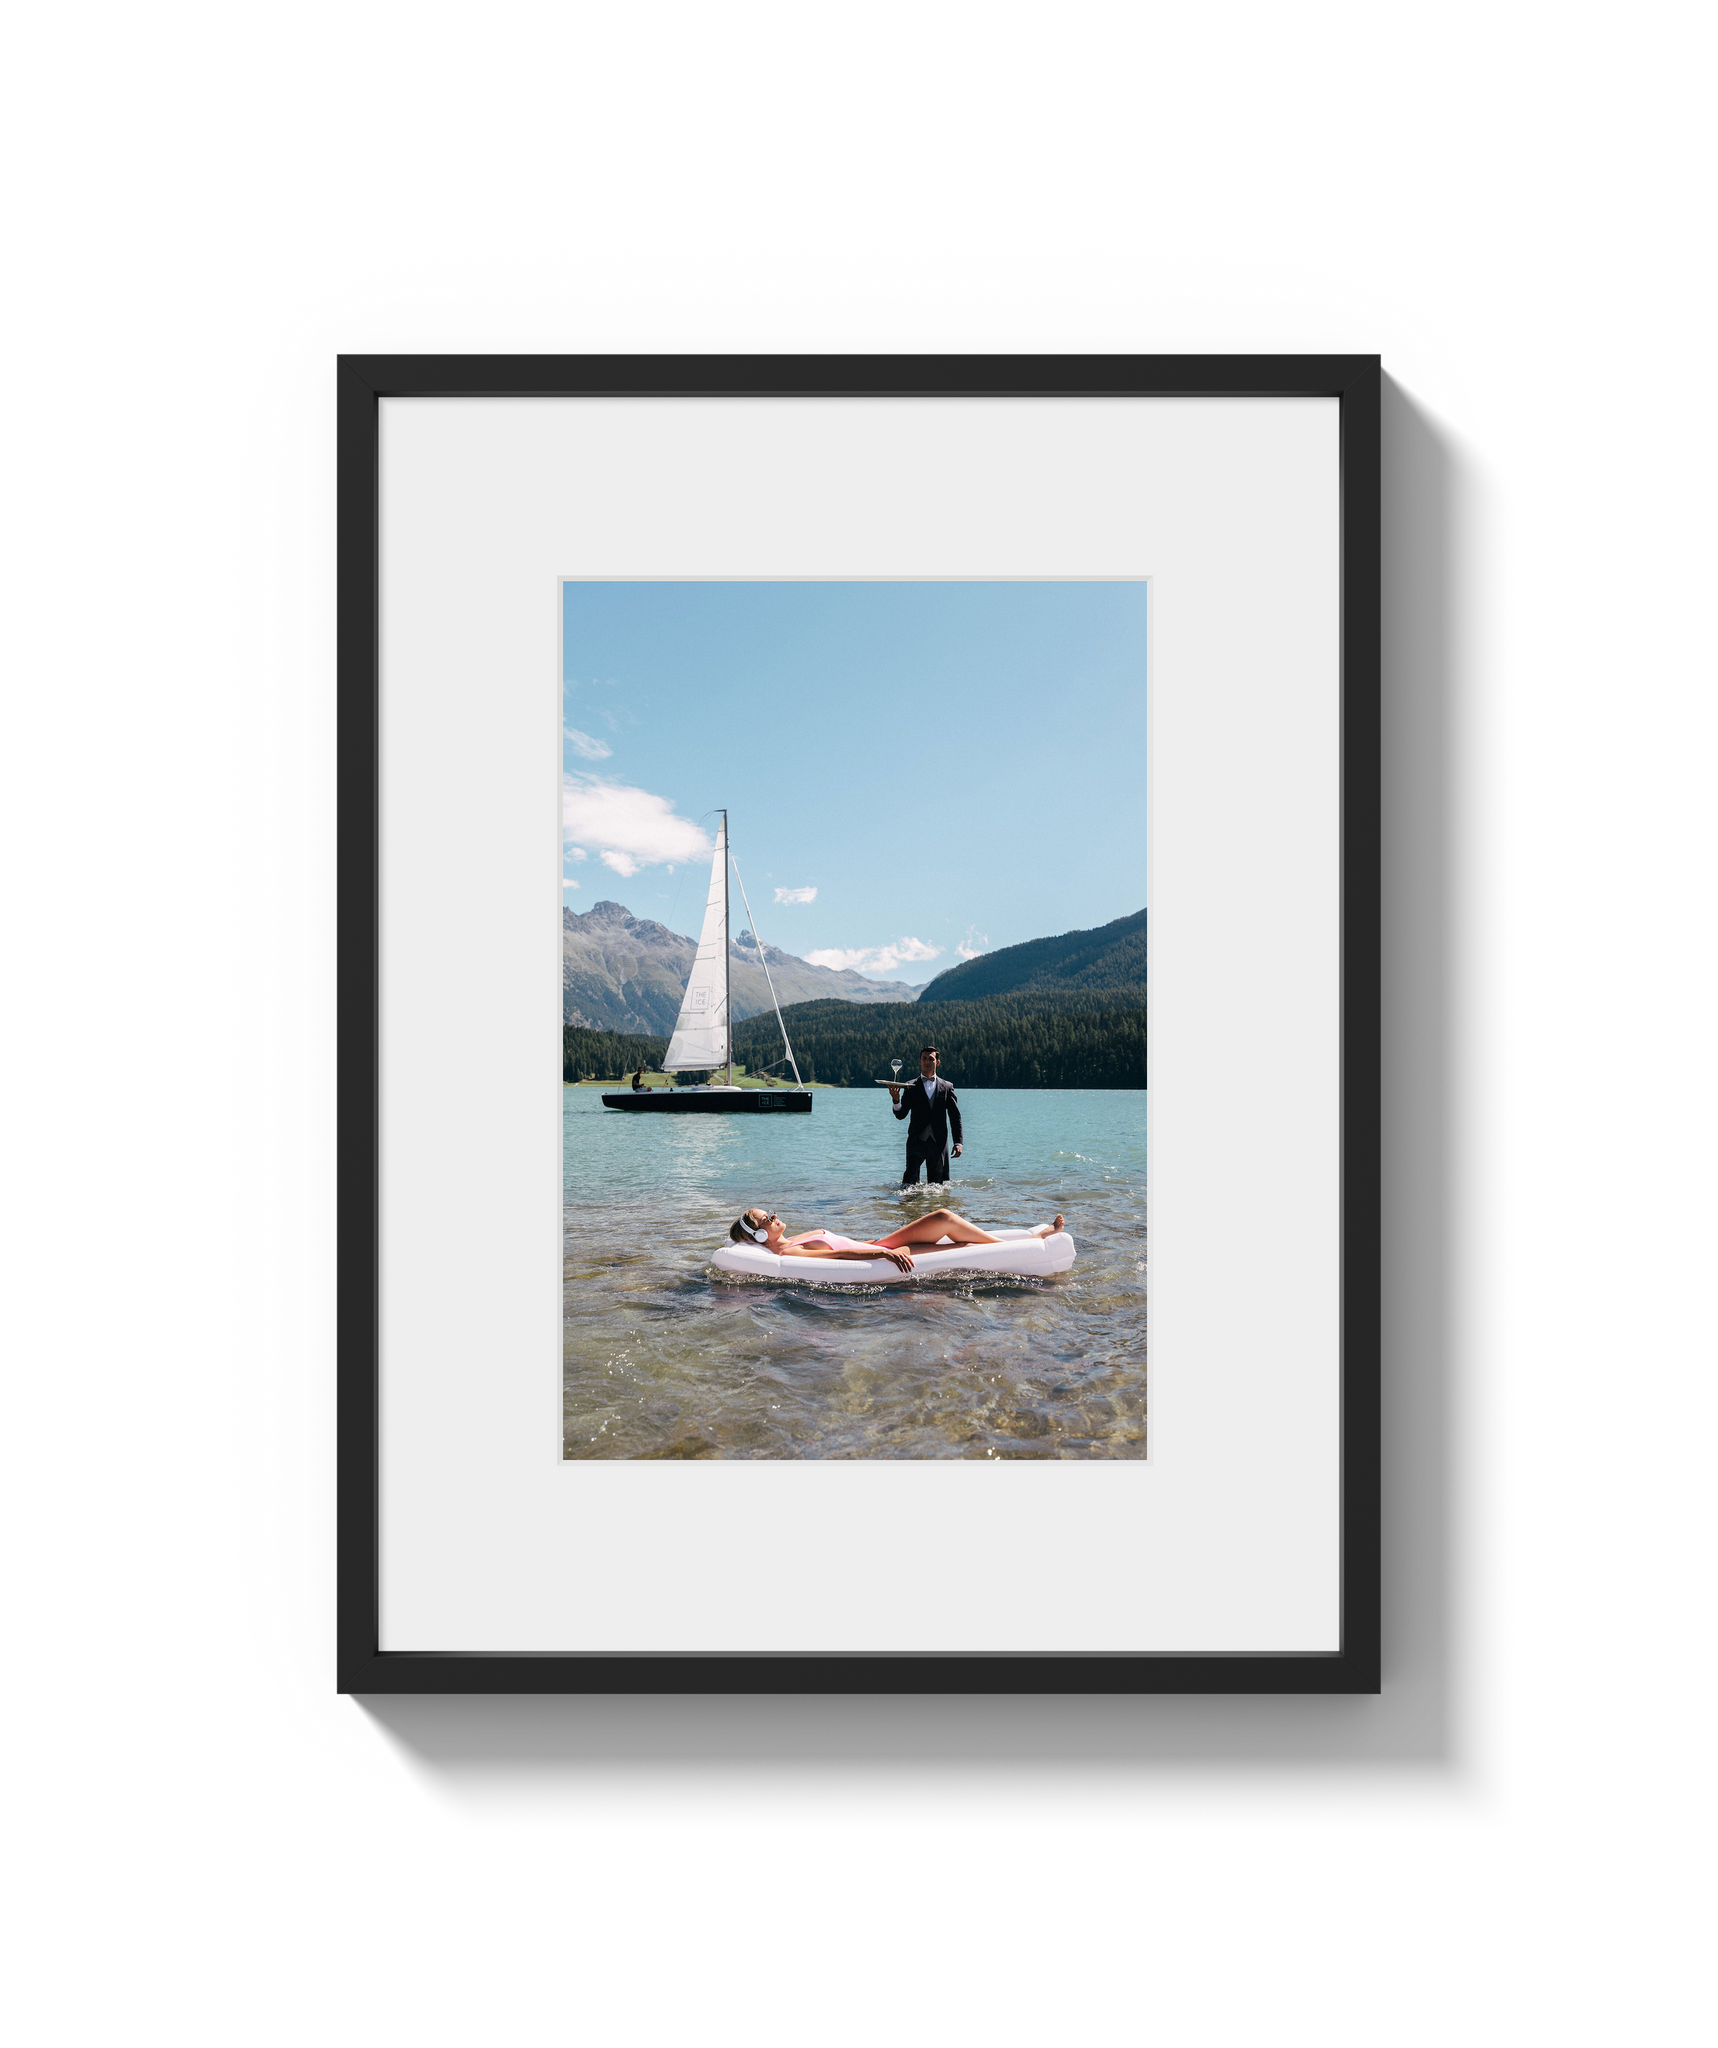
608,1054
1070,1039
1110,956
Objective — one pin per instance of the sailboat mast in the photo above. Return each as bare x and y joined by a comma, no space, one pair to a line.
727,958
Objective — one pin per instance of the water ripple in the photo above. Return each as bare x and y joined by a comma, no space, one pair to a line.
665,1356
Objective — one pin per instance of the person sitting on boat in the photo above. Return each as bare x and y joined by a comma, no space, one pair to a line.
638,1082
765,1228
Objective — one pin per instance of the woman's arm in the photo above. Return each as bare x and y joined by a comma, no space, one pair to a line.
868,1251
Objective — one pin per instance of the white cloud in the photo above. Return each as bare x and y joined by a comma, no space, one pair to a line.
873,959
577,853
582,743
796,895
628,828
975,943
566,883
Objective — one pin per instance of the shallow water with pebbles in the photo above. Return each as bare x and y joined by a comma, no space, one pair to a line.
665,1356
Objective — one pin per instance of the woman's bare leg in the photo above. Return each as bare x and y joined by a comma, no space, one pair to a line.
926,1230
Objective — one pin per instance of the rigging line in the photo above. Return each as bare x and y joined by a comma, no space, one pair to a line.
764,957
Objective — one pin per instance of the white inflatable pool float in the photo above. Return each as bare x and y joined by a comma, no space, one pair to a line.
1020,1253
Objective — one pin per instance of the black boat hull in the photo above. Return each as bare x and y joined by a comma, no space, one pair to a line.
718,1102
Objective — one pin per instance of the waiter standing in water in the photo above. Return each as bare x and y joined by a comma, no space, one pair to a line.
930,1103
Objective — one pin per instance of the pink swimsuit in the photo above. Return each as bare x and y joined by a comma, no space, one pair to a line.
832,1242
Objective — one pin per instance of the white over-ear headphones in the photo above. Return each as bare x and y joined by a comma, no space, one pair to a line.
762,1236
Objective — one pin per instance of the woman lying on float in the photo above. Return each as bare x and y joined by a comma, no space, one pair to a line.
764,1228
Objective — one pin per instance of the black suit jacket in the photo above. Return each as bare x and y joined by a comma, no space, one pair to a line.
933,1114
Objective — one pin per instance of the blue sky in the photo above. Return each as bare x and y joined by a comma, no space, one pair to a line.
914,772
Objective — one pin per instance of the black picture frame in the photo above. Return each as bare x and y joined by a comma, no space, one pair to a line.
363,381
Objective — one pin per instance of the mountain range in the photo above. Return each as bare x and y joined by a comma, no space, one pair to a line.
626,973
1110,956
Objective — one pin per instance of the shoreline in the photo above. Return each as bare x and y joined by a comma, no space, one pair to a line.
656,1080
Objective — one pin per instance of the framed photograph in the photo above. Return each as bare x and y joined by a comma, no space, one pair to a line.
817,1291
865,1275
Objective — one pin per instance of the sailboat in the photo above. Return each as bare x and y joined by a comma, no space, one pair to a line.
703,1039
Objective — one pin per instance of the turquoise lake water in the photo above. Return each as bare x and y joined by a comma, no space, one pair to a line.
665,1356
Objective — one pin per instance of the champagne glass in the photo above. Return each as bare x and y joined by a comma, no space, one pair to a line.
895,1068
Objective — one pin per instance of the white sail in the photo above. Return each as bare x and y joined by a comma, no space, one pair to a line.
701,1029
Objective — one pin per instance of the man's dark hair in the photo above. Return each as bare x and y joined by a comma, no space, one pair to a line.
923,1049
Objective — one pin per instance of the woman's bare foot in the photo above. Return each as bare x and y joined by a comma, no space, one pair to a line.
1049,1229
